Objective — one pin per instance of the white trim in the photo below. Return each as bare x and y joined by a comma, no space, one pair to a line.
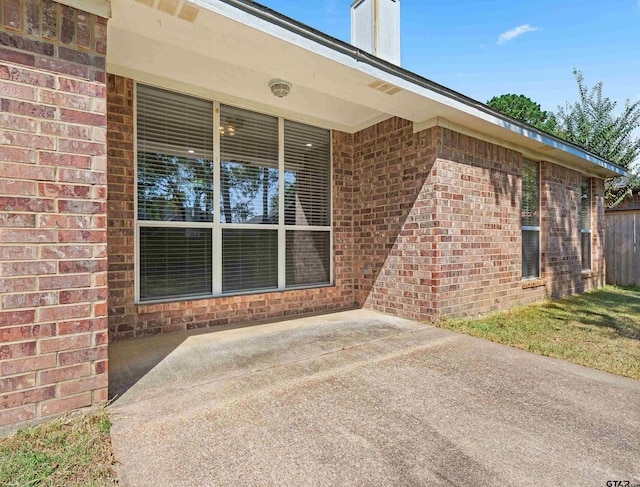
526,152
217,227
136,228
589,230
533,228
257,18
216,247
226,99
282,232
248,226
331,252
101,8
173,224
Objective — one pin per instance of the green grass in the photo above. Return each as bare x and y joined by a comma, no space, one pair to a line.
73,451
599,329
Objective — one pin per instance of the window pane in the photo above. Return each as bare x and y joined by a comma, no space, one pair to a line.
585,204
586,251
308,258
249,167
175,154
530,210
307,162
530,254
174,262
249,260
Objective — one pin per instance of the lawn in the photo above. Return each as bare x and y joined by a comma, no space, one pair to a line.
74,451
599,329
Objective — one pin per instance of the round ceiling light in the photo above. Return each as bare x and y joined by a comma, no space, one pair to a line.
279,88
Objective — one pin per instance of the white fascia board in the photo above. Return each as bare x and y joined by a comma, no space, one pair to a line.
318,46
101,8
540,155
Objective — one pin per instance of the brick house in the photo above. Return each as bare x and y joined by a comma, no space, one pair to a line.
151,182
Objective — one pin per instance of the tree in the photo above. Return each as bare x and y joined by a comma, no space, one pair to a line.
593,124
523,108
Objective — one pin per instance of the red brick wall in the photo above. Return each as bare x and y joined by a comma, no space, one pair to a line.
479,188
426,225
437,225
53,289
128,320
562,251
394,232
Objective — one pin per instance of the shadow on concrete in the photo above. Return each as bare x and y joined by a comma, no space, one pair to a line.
147,367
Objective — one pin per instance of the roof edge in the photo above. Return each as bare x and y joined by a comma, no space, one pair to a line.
517,126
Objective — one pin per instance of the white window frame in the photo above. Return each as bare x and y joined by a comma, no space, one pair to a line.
538,228
217,226
587,230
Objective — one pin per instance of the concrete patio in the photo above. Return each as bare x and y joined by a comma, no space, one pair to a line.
361,398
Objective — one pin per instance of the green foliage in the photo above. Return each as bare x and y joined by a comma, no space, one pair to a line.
522,108
592,123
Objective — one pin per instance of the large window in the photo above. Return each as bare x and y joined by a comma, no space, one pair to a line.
530,220
585,223
228,200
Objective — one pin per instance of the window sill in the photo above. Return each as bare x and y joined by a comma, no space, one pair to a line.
588,274
229,295
533,283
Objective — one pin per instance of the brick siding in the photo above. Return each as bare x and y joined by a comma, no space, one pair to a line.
394,232
53,185
128,320
437,225
425,225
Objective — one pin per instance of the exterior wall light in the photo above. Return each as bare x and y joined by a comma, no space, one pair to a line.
279,88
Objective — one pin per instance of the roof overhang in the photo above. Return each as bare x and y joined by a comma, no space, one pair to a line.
229,50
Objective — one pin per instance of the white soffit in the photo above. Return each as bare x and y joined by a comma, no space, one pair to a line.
101,8
230,54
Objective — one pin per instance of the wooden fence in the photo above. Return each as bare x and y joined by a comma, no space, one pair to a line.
622,252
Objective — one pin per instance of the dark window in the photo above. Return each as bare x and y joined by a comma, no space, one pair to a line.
530,220
174,262
585,223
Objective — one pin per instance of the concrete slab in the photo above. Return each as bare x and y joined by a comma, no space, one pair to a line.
360,398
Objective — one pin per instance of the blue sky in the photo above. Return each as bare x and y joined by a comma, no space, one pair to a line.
457,43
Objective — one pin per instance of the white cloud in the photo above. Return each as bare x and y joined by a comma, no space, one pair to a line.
518,31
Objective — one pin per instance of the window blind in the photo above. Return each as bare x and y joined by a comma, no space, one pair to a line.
530,219
307,175
175,262
175,154
249,259
182,252
249,167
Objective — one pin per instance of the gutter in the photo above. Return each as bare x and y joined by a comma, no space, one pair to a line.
280,20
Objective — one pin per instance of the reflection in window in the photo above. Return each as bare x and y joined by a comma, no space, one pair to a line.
249,167
585,223
530,220
307,175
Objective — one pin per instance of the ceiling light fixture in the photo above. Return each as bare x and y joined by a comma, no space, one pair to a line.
309,145
280,88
